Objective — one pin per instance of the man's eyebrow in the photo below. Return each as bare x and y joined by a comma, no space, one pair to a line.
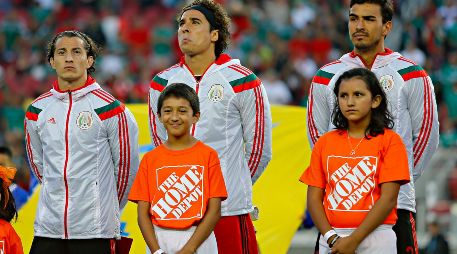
365,17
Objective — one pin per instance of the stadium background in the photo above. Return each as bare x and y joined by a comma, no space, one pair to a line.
283,41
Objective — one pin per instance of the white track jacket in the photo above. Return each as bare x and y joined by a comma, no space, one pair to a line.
82,145
235,120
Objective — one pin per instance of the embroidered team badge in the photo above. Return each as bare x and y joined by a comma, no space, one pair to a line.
84,120
387,82
216,93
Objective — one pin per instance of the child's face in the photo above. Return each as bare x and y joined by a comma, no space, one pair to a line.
356,101
177,116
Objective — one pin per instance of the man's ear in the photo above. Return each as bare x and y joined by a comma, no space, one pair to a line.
214,35
90,61
51,62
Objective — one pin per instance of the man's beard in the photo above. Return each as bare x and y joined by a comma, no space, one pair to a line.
364,47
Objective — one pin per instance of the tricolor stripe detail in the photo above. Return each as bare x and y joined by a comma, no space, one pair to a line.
30,155
406,60
241,69
153,125
259,134
245,83
110,110
124,156
158,83
314,134
32,113
413,229
103,95
244,235
427,122
331,63
411,72
323,77
45,95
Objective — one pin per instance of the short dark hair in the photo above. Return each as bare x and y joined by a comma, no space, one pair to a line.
90,46
7,209
380,116
179,90
387,7
6,150
221,22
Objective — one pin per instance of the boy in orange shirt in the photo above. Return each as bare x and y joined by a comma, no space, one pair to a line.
10,243
179,186
356,171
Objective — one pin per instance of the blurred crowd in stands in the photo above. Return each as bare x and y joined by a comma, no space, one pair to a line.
283,41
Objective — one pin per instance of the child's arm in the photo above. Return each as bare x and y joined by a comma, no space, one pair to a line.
145,223
381,209
206,226
316,209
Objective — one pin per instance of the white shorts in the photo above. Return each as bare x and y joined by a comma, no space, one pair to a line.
172,240
371,244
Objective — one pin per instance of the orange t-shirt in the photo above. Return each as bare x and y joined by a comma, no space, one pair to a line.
10,243
178,184
352,183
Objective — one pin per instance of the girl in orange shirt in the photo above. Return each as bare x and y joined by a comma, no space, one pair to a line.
10,243
356,171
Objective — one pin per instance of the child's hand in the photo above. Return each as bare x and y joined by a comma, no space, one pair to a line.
186,250
345,245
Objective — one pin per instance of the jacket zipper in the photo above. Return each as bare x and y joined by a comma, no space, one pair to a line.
65,216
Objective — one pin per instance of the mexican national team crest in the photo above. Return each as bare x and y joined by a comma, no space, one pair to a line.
216,93
387,82
84,120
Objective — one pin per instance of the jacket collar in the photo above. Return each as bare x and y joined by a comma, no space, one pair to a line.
220,62
381,59
90,85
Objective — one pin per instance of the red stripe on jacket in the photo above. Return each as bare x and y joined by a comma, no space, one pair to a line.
427,123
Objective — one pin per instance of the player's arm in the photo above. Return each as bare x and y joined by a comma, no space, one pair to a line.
33,144
122,131
257,126
156,129
424,121
146,227
319,112
205,227
381,209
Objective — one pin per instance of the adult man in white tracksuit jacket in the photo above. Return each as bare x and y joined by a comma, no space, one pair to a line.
235,116
82,145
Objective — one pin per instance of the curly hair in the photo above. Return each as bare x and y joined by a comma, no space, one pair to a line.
221,22
90,46
380,116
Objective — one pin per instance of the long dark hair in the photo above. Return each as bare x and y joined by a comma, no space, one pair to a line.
221,22
380,116
7,209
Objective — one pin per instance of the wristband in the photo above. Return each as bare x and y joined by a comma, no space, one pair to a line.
327,235
159,251
334,241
